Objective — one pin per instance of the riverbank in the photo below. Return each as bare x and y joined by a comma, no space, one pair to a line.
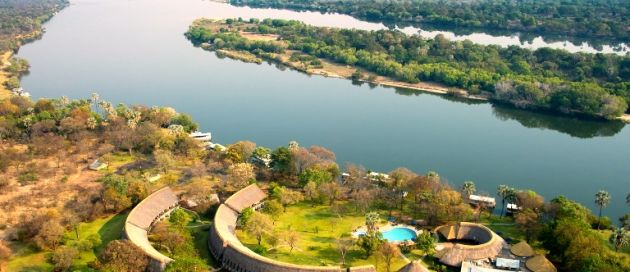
625,118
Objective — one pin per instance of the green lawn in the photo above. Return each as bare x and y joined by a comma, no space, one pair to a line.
318,232
108,229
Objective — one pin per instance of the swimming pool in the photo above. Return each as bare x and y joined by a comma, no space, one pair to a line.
399,235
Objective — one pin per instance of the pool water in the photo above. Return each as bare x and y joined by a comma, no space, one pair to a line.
399,235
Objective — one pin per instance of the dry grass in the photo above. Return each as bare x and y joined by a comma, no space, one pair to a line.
4,92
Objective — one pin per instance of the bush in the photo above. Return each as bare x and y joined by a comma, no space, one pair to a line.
260,250
604,223
27,177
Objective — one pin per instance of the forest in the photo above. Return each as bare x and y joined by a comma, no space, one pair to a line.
20,18
575,18
595,85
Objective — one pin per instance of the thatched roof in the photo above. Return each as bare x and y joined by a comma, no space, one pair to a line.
540,264
142,217
365,268
245,198
490,243
522,249
414,266
152,207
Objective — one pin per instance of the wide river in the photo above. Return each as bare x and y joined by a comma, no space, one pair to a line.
135,52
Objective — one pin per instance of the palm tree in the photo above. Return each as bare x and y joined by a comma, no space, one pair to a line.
602,198
628,199
619,238
371,219
468,188
506,194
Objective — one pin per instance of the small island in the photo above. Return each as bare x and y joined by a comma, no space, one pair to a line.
543,80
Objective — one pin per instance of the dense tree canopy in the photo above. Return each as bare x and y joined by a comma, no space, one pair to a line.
550,79
580,18
20,17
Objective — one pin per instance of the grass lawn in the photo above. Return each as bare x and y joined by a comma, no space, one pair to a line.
318,228
108,229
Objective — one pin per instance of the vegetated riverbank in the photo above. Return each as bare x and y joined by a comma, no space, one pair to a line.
22,22
541,80
594,20
319,66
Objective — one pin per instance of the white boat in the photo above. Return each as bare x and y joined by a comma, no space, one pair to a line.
20,92
201,136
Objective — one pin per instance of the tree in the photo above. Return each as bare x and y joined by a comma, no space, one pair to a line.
370,242
122,255
240,175
506,194
63,257
527,220
311,192
343,246
274,208
315,174
528,199
258,225
628,199
289,197
388,252
50,235
331,190
399,178
468,188
163,159
291,238
371,219
281,159
619,238
602,198
426,243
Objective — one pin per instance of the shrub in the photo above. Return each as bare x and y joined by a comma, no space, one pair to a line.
260,250
27,177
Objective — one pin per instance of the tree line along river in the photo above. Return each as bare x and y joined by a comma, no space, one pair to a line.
135,52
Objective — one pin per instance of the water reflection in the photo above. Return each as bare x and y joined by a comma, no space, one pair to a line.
579,128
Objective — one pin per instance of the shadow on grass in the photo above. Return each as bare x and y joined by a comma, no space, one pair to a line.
111,230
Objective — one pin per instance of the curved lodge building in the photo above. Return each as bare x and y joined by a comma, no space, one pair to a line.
487,243
235,257
142,218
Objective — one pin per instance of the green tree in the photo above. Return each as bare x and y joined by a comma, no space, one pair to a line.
369,242
426,243
281,159
619,238
371,219
274,208
468,188
602,198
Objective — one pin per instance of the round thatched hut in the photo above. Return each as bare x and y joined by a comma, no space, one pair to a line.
414,266
540,264
468,242
522,249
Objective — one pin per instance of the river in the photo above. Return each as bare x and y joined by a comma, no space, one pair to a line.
135,52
